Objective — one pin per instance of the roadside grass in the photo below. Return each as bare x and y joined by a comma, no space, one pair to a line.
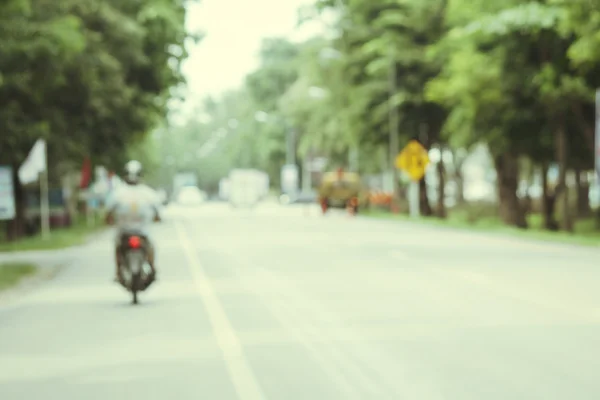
60,238
585,232
13,273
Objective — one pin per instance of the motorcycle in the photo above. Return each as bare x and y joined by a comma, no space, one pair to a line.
134,272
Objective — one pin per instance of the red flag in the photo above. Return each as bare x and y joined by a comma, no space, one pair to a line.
86,173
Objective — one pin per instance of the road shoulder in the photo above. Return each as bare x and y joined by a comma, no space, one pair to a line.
532,236
28,283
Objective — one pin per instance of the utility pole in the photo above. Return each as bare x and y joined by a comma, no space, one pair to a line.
290,172
353,158
307,171
353,147
394,122
291,145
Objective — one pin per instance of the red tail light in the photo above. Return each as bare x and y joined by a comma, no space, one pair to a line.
135,242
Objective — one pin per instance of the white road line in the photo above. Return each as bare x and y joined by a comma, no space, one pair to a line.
303,330
242,376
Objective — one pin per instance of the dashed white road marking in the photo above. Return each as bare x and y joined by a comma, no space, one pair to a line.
242,376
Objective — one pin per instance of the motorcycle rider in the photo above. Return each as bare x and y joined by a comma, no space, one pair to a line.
133,207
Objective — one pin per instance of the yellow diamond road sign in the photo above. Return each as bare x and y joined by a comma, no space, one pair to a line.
413,159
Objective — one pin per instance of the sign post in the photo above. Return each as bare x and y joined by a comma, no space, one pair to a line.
45,204
597,148
413,199
413,160
35,168
8,209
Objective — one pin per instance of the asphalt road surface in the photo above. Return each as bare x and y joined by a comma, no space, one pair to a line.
282,303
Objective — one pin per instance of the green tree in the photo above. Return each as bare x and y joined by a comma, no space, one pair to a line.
88,77
510,82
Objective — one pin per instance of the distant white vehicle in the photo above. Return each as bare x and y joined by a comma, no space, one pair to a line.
182,180
246,187
224,189
191,195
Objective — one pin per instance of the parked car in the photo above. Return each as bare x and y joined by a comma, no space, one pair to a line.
191,195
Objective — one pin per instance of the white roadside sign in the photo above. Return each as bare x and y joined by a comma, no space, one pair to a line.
289,179
7,196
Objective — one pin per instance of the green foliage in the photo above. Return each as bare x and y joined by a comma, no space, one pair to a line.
12,274
508,74
234,135
89,77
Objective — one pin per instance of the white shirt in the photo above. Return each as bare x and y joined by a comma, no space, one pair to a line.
134,207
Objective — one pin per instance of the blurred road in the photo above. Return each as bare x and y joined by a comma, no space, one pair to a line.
281,303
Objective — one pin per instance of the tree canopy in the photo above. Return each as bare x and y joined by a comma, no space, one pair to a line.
517,76
89,77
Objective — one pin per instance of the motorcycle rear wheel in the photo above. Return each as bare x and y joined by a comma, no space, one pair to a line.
135,285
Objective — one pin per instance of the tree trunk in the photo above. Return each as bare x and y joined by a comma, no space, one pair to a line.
72,199
548,203
424,204
511,211
458,178
584,124
527,201
441,205
16,227
562,157
583,194
460,190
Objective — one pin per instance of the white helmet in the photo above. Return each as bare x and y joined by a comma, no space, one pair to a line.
133,172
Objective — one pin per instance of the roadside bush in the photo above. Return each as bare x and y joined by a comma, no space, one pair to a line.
475,212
